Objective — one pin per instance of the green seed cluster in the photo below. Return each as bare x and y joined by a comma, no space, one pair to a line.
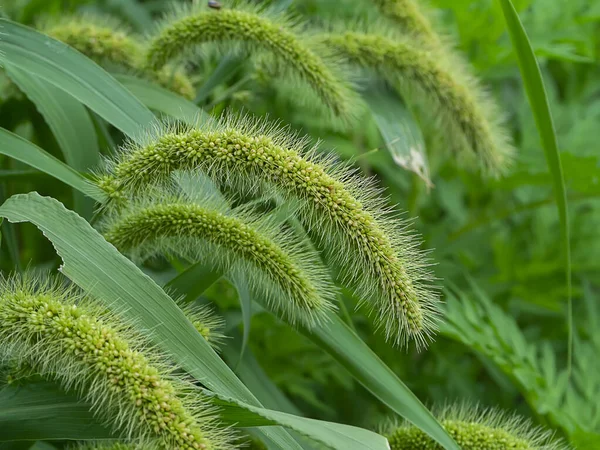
475,428
257,33
106,44
328,201
147,225
408,15
468,435
471,116
66,341
100,44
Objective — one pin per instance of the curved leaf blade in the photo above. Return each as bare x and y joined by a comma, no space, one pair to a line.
69,70
22,150
538,100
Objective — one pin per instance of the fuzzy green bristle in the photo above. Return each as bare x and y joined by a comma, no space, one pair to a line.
286,275
412,20
477,429
255,33
106,42
470,121
376,255
65,338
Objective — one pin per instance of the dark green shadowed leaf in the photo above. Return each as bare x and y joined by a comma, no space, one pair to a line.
538,99
70,123
43,411
64,67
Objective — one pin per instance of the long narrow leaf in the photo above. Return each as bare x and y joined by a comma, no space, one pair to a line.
538,100
350,351
333,435
347,348
22,150
66,68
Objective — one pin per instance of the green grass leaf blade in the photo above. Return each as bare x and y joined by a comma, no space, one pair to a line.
333,435
350,351
69,70
70,123
164,101
538,100
22,150
43,411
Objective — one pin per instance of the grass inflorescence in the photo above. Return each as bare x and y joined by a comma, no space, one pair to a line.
375,253
477,429
110,44
288,276
466,119
64,337
255,32
411,18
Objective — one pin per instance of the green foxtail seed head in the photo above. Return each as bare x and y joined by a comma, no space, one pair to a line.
375,253
85,349
107,42
469,121
254,32
279,268
477,429
411,19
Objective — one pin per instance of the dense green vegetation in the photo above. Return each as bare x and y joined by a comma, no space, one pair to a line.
299,224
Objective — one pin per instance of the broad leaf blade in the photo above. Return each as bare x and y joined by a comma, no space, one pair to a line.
538,100
69,70
348,349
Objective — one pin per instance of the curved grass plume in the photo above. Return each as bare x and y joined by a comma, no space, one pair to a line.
62,336
477,429
346,213
256,33
411,19
291,279
107,43
469,120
